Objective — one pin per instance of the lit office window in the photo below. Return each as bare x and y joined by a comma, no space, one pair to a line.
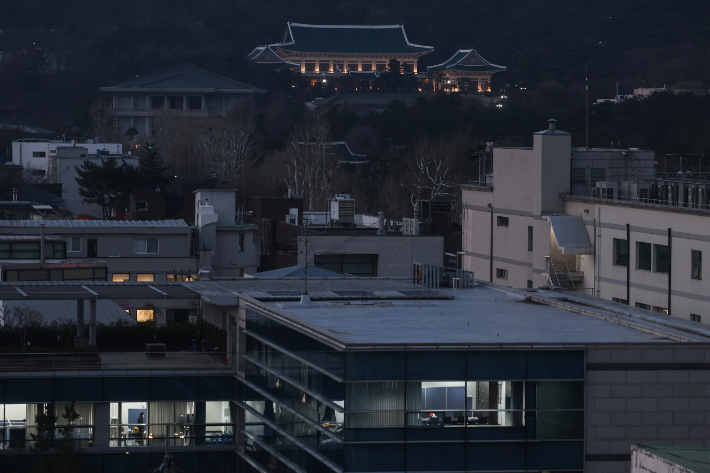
145,277
120,277
661,310
145,315
696,260
19,422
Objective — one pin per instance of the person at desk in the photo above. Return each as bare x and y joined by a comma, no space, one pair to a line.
141,428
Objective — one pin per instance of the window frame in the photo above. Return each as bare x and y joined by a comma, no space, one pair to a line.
530,238
639,259
70,244
113,277
139,275
656,258
146,252
696,266
696,318
502,273
619,254
502,221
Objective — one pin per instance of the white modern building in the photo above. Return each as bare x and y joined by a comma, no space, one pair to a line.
633,240
34,153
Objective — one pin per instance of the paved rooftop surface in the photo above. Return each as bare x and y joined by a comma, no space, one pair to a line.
480,316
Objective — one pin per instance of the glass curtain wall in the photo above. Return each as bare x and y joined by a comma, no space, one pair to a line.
19,421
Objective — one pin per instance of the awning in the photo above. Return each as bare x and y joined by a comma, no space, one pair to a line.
571,235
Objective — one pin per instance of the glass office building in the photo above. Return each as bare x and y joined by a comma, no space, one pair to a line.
317,408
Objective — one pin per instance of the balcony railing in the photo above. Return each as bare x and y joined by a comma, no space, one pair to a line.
12,364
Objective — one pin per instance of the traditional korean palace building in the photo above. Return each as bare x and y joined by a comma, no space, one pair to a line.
464,65
334,49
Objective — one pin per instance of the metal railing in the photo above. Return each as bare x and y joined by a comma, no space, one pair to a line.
675,200
549,268
433,276
12,364
569,275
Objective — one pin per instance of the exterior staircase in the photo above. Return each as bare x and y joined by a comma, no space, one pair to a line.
561,280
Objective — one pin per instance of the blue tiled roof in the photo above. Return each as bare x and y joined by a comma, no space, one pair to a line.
466,60
184,76
264,57
362,39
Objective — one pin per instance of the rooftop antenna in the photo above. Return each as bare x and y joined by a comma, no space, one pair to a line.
586,105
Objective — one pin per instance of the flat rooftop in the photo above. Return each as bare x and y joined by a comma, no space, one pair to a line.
483,316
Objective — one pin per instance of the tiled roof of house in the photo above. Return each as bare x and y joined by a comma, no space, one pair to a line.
184,76
466,60
264,57
362,39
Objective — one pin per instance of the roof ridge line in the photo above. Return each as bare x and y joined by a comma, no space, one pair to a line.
346,26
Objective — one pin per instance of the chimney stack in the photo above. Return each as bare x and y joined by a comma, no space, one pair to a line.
553,124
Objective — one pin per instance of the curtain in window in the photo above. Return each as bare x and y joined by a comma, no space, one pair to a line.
174,413
86,417
375,397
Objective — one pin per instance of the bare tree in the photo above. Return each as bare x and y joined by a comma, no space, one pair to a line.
427,170
228,144
313,171
21,319
65,330
101,118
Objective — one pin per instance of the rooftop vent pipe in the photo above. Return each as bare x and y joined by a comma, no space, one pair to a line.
382,230
553,124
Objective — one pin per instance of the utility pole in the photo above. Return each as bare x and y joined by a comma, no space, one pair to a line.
586,105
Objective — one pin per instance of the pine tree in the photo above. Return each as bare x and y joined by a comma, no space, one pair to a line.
152,169
107,184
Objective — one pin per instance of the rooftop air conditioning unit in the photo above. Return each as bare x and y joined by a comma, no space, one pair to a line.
606,189
342,208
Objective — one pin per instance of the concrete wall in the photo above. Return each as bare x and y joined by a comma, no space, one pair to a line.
644,394
551,171
227,260
618,167
116,248
22,151
395,253
649,224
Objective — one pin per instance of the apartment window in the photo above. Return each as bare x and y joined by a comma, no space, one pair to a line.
502,221
696,261
660,310
31,250
501,273
641,305
145,246
530,284
357,265
140,206
695,318
39,154
145,277
180,277
241,242
663,259
643,256
530,238
120,277
620,300
74,244
621,252
145,315
55,250
598,174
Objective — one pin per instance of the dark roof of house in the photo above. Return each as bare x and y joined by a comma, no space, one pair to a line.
362,39
265,58
370,98
184,77
466,60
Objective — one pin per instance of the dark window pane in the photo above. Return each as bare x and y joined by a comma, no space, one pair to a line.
696,271
621,252
663,259
644,256
559,425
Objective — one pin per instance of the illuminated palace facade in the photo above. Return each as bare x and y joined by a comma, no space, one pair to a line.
318,51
